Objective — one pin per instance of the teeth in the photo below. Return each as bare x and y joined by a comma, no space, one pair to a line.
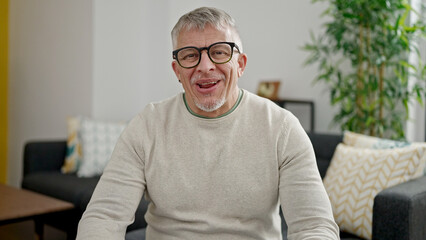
207,83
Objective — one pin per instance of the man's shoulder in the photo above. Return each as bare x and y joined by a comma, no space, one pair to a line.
264,108
168,101
159,109
164,105
256,102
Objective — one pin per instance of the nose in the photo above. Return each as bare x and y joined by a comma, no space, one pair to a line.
205,64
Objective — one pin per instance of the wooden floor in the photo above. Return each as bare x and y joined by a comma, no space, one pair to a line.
25,231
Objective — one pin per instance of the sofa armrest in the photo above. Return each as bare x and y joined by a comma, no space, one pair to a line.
44,156
399,212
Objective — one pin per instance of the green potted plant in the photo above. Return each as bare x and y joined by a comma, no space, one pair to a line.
363,57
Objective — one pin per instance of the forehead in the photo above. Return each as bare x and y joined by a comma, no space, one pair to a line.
203,37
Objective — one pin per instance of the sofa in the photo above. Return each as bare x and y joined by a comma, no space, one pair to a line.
399,212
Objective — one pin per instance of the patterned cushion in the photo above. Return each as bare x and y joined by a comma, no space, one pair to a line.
364,141
74,154
357,175
98,141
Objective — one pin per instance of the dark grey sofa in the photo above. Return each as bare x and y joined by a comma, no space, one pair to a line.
42,163
398,213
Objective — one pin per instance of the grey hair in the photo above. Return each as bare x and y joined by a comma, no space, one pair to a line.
200,17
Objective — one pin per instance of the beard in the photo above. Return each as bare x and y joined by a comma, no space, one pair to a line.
212,105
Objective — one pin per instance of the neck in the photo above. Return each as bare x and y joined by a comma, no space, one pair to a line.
229,104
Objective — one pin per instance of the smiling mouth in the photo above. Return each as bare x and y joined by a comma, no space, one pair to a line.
207,84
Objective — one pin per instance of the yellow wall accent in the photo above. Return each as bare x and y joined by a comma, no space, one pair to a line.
4,20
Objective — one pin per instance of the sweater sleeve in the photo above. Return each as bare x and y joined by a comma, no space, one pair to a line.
119,191
303,198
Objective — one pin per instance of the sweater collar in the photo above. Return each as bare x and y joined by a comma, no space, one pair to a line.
240,96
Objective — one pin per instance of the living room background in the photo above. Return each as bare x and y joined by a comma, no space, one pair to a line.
107,59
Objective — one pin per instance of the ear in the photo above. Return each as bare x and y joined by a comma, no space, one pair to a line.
176,69
242,62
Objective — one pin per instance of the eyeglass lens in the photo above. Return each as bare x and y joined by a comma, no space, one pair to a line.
218,53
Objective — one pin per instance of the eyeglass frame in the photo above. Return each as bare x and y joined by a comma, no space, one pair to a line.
231,44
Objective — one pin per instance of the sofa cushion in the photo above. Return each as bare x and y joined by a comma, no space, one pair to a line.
98,140
357,175
67,187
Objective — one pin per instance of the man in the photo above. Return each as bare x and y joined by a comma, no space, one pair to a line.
215,161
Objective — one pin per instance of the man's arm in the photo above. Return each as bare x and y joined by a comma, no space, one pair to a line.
304,201
119,191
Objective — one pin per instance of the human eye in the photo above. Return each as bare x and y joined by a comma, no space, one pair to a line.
188,55
220,51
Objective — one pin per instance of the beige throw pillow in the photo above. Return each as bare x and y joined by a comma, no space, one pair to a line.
364,141
357,175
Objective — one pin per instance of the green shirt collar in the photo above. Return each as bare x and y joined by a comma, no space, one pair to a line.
240,96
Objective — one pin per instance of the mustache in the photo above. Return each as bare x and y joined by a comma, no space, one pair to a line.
197,77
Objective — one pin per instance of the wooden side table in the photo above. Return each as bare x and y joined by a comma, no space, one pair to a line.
19,205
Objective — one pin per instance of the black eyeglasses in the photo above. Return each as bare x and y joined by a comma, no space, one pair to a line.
219,53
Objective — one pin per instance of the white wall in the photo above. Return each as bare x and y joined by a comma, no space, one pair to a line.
50,71
419,119
415,126
132,57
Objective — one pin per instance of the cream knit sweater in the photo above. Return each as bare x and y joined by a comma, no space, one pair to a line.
221,178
